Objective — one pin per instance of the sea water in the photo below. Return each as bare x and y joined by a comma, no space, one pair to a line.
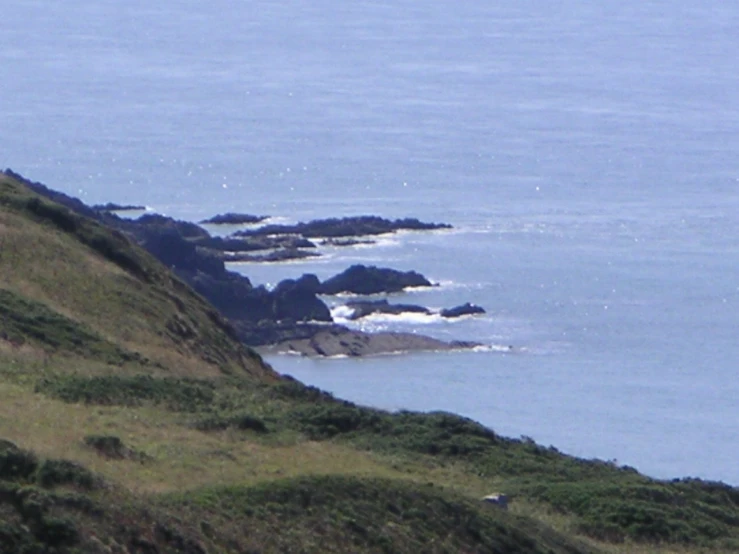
586,155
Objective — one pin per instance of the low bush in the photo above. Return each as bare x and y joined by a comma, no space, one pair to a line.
650,511
28,320
351,514
435,433
241,421
54,473
16,464
107,445
323,421
176,394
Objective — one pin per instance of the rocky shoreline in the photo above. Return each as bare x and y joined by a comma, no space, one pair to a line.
292,317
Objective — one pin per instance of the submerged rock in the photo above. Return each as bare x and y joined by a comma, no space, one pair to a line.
346,242
464,309
283,255
361,279
231,218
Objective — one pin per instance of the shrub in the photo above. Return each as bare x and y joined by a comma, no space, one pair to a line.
16,463
323,421
644,511
108,445
63,472
242,421
176,394
57,532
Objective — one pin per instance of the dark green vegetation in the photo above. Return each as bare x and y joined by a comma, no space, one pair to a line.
347,514
140,425
49,506
27,320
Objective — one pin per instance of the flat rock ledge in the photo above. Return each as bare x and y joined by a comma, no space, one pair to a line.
340,341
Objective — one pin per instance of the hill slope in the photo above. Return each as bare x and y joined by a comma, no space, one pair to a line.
132,421
64,271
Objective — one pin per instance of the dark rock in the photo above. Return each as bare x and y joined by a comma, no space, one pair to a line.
168,246
297,300
231,218
233,295
364,308
185,228
268,332
360,279
335,340
250,244
113,207
282,255
464,309
346,242
345,227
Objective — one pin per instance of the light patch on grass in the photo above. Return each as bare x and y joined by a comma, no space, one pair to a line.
178,455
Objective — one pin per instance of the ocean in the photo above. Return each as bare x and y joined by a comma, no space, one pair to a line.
585,153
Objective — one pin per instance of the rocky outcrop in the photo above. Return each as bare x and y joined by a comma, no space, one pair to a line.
296,300
162,223
231,218
361,279
345,227
464,309
363,308
175,252
233,295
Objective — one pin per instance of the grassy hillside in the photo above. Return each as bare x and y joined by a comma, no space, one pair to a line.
68,280
132,421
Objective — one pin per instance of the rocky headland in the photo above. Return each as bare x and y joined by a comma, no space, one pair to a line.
291,317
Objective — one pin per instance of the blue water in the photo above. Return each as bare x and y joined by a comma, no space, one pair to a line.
586,155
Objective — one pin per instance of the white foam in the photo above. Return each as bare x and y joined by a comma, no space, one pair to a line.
341,314
508,349
132,214
412,318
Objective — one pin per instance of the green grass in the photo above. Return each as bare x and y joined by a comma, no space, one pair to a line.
22,319
97,278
